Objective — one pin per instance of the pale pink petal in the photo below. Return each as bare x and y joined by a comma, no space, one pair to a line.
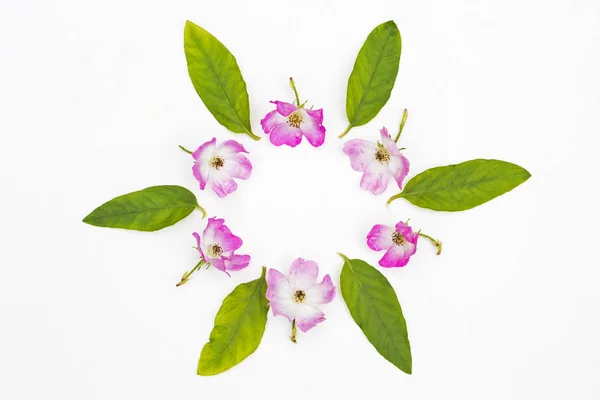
394,257
406,231
387,141
227,240
236,262
361,153
375,178
222,183
284,306
271,120
208,236
285,134
230,146
201,168
278,286
312,127
284,108
380,237
218,263
321,293
303,274
307,316
237,166
399,167
199,245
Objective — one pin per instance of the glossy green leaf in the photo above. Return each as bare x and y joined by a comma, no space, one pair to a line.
218,80
374,74
148,210
239,327
462,186
375,308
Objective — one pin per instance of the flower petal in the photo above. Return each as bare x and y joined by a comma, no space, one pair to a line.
218,263
284,108
208,235
271,120
229,147
396,256
399,167
380,237
285,134
236,262
406,231
361,153
227,240
307,317
321,293
278,286
312,126
387,141
199,245
202,155
222,183
303,274
375,178
238,166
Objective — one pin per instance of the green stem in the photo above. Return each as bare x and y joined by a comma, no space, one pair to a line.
346,131
436,243
186,150
293,85
293,337
404,117
186,276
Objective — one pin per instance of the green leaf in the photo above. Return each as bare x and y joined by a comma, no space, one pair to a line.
218,80
239,327
372,79
375,308
462,186
147,210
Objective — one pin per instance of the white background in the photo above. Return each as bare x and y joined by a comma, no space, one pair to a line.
95,97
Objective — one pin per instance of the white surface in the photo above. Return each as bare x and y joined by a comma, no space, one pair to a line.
95,98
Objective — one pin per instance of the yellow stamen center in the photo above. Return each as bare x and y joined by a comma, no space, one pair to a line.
294,120
299,296
398,238
217,162
382,154
215,250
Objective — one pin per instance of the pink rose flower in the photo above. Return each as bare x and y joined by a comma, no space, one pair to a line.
400,243
218,245
219,165
379,161
287,123
298,295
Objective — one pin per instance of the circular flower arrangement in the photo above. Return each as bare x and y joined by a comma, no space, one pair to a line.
298,294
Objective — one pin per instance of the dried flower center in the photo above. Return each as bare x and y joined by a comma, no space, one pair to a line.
294,120
382,154
215,250
299,296
217,162
398,238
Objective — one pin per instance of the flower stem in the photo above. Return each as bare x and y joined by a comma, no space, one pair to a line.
186,150
404,117
346,131
293,337
435,242
293,86
186,276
